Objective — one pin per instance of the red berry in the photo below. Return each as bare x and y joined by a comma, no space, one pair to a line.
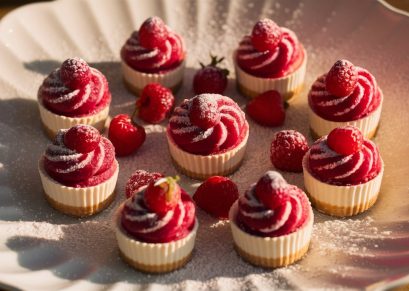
82,138
155,103
204,112
216,195
125,135
153,33
266,35
272,189
138,180
287,150
75,73
267,109
345,140
211,78
162,194
341,79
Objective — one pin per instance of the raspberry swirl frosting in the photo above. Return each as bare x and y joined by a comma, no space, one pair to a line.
364,99
148,226
225,124
290,212
87,99
330,167
280,62
75,169
157,60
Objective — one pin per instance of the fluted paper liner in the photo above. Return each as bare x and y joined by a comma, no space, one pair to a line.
78,201
53,122
271,252
288,86
154,257
367,125
202,167
341,201
136,80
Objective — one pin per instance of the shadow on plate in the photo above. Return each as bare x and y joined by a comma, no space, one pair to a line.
88,251
22,142
43,67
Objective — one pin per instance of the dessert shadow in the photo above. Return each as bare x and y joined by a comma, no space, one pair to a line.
94,255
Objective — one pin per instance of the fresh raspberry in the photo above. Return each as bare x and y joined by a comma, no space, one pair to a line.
138,180
153,33
155,103
162,194
267,109
204,112
125,135
216,195
266,35
345,140
287,150
272,189
82,138
210,78
75,73
341,79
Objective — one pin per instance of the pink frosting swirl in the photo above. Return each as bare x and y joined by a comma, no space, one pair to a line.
228,132
282,61
256,218
152,227
87,100
76,169
333,168
365,99
157,60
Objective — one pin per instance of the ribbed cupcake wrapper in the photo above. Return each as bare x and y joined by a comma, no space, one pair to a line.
78,201
203,167
288,86
136,81
154,257
271,252
368,125
341,201
53,122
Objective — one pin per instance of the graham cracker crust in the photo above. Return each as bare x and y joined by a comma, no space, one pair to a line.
199,176
137,91
272,263
251,94
371,134
340,211
80,211
155,269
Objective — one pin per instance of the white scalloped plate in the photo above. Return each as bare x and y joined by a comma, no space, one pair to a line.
42,249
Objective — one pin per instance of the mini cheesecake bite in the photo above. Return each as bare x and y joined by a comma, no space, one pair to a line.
156,227
73,94
153,54
343,172
271,58
272,222
207,136
79,171
346,95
